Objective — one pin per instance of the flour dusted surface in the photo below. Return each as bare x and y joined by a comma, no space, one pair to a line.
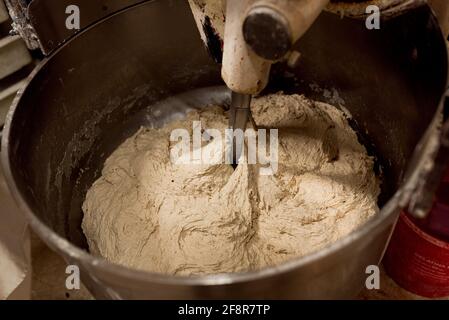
145,212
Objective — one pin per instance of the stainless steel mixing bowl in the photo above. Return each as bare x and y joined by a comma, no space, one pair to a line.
99,87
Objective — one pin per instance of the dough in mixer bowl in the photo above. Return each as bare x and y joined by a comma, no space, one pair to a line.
148,213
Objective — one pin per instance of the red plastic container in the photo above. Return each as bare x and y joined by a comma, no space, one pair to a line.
417,261
418,255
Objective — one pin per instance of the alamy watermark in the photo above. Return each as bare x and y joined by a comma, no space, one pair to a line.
372,282
213,146
372,22
72,281
73,22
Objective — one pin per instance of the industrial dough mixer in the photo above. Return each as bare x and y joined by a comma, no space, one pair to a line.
97,88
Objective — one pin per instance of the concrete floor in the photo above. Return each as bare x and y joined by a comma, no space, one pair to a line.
48,275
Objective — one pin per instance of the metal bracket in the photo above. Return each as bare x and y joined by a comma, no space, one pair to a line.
20,23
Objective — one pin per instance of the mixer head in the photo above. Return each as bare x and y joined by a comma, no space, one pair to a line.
256,33
248,36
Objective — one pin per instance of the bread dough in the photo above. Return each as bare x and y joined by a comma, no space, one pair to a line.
145,212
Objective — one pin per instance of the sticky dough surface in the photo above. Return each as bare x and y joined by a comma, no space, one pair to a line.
147,213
